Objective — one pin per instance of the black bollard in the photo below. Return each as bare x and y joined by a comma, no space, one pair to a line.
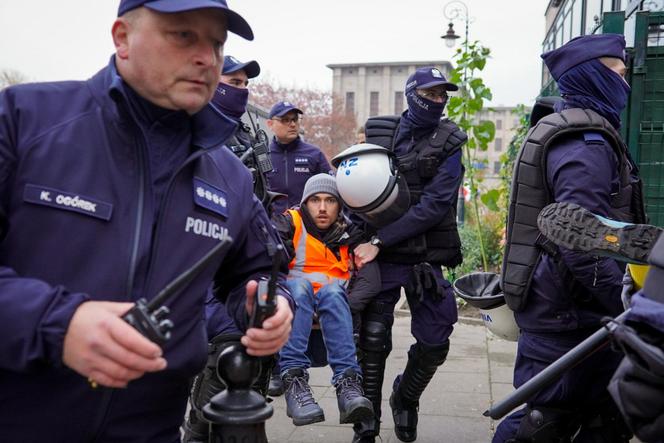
238,413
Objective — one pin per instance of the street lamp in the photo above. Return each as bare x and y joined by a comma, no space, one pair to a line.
455,10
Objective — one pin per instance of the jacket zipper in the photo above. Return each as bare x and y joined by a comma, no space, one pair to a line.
139,215
162,211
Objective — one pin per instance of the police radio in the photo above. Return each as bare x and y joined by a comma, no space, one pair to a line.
150,317
262,152
265,301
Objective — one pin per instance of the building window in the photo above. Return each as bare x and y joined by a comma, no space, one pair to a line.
398,102
496,168
350,102
499,124
373,104
498,144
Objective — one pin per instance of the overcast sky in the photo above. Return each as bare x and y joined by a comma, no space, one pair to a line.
295,39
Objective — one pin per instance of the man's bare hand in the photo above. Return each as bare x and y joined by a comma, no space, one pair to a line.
101,346
364,253
276,329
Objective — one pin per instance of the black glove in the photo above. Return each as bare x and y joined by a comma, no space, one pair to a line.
637,387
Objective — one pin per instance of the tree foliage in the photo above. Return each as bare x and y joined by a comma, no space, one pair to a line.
325,122
464,109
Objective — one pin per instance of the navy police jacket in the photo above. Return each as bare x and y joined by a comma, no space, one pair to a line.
584,172
294,163
83,223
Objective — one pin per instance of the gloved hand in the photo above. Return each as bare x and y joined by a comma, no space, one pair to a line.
627,288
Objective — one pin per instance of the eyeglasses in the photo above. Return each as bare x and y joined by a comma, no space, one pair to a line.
431,95
287,120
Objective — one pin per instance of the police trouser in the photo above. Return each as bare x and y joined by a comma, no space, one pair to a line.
207,384
576,408
432,322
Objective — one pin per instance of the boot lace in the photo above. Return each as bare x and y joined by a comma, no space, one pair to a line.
350,387
302,392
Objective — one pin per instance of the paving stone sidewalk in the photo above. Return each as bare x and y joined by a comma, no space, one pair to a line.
478,371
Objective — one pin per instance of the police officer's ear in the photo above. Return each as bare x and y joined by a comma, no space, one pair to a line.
270,122
121,29
120,32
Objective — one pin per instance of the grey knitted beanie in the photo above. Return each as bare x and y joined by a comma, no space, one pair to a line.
320,183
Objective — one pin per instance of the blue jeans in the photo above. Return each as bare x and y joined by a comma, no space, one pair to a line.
336,324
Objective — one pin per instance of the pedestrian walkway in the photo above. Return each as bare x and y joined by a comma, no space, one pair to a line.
478,371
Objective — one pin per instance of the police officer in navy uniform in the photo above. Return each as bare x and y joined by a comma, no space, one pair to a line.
111,188
560,296
294,160
410,252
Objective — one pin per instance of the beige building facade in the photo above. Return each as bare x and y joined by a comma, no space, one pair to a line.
370,89
506,122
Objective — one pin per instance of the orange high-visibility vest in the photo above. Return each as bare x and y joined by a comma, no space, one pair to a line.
313,260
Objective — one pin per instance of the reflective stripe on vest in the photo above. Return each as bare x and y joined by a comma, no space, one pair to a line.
314,261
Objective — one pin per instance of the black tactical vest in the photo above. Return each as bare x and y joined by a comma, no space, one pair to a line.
440,244
530,194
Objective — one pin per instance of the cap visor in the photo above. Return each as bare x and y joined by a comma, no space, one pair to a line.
236,23
286,111
251,68
448,86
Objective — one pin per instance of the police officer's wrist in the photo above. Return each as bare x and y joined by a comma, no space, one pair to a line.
375,241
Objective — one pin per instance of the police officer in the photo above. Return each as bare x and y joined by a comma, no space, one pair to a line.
637,386
411,250
294,160
232,96
559,296
111,188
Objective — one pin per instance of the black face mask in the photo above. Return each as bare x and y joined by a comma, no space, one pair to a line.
230,100
422,112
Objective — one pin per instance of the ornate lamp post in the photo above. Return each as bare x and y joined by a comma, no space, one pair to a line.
454,10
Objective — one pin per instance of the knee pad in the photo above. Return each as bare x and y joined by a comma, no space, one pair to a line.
547,425
429,355
374,336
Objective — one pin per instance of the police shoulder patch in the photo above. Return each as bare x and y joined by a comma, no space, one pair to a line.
210,197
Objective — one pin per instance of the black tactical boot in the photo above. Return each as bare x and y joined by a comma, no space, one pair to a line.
575,228
353,405
300,403
423,361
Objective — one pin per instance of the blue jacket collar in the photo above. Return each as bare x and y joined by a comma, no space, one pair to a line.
286,146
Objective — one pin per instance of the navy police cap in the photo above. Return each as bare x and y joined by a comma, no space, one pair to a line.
428,77
282,108
236,24
581,49
231,64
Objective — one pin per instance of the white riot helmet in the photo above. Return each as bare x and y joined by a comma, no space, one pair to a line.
482,290
370,184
